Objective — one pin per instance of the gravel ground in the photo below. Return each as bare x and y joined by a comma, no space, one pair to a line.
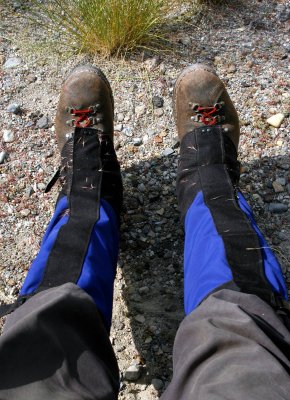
249,46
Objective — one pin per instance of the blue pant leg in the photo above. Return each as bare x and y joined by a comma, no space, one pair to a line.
205,262
99,267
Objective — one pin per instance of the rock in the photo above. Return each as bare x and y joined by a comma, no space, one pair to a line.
157,101
12,62
133,372
119,127
14,108
25,212
276,120
120,117
232,68
137,141
278,188
157,383
277,208
140,318
3,156
29,191
158,112
43,123
186,40
284,14
41,186
8,136
142,187
140,110
281,181
152,63
128,132
167,152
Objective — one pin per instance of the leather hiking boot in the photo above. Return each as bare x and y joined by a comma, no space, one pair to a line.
84,126
200,99
86,101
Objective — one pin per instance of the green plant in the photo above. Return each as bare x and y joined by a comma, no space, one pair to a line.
104,26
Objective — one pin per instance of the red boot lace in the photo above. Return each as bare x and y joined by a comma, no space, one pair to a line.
84,117
207,115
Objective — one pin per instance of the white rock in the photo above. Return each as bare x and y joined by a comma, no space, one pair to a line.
276,120
133,372
140,110
8,136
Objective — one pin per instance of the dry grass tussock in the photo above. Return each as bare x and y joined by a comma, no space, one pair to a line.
110,27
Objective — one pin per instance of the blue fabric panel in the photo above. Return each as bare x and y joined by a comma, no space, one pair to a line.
272,267
98,273
205,263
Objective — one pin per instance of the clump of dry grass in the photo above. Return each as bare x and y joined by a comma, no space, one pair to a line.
106,27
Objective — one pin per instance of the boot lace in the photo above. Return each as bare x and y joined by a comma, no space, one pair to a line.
208,115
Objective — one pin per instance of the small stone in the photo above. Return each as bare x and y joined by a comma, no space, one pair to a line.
43,122
29,191
25,212
157,101
232,68
157,383
137,141
133,372
128,132
141,187
120,117
3,156
140,110
281,180
278,188
277,208
160,212
41,186
8,136
144,290
12,62
148,340
11,282
14,108
276,120
167,152
119,127
140,318
186,40
158,112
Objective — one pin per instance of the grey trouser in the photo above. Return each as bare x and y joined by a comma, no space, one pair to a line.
233,346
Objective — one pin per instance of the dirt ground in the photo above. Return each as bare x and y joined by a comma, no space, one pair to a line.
248,43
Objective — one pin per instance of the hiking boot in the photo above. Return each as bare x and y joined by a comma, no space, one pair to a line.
84,130
86,101
200,99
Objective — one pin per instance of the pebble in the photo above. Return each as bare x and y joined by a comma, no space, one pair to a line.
119,127
128,132
29,191
137,141
12,62
277,208
232,68
278,188
14,108
158,112
140,318
43,122
167,152
276,120
141,187
186,40
8,136
3,156
157,101
157,383
41,186
140,110
25,212
133,372
120,117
